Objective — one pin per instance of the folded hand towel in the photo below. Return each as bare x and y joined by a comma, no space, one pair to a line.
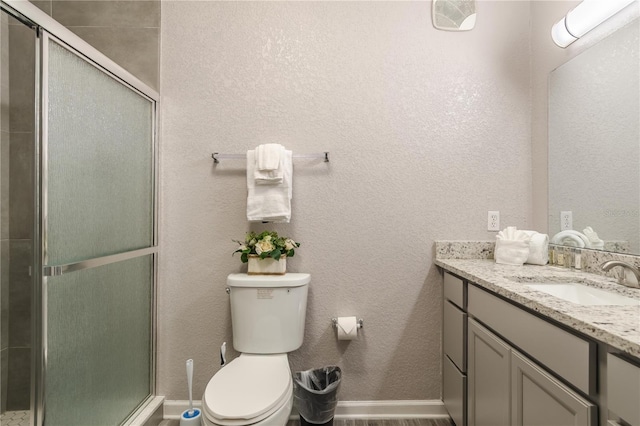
538,248
268,156
594,241
512,247
269,203
268,168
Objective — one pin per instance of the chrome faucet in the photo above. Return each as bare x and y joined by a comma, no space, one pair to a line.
630,276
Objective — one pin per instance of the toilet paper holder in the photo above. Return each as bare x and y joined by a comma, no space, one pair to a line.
334,321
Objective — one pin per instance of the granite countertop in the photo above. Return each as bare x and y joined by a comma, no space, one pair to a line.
618,326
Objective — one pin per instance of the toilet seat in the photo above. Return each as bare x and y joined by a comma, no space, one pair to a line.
248,389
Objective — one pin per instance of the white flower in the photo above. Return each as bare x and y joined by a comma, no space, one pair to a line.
289,244
264,245
242,247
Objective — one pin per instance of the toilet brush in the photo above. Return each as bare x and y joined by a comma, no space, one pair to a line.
192,416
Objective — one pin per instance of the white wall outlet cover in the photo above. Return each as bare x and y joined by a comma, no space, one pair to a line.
493,220
566,220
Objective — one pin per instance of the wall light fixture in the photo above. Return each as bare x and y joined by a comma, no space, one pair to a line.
584,17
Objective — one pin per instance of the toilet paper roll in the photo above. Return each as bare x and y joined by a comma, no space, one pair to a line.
347,328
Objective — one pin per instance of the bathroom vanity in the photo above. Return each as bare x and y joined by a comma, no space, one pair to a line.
514,355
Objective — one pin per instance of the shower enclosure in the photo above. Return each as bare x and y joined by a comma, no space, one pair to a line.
78,228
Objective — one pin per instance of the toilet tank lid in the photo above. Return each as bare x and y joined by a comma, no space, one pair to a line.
286,280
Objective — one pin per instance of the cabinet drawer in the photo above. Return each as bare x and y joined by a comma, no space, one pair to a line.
568,355
454,392
454,289
623,384
455,335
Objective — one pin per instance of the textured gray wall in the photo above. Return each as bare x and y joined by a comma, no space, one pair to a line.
427,131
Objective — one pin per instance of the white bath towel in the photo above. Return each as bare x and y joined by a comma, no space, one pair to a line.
512,247
538,248
268,169
269,203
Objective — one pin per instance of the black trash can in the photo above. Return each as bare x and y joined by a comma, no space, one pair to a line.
315,394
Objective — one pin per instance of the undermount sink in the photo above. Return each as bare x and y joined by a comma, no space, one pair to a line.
583,294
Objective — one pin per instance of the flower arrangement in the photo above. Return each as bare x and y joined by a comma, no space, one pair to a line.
266,244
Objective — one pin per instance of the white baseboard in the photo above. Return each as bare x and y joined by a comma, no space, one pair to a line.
173,409
412,409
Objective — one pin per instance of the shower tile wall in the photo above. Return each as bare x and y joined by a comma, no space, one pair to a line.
126,31
4,209
16,206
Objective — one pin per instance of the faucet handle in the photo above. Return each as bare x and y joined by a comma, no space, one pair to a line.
630,276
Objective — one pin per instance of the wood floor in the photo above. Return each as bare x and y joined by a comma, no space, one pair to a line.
404,422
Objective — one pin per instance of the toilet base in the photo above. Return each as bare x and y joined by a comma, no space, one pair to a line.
303,422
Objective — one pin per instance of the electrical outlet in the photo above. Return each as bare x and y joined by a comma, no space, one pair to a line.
493,221
566,220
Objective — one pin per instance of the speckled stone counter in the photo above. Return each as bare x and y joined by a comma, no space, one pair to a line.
618,326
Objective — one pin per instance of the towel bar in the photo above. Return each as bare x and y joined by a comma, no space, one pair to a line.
217,156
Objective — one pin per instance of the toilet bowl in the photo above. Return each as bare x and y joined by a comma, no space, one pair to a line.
267,317
251,390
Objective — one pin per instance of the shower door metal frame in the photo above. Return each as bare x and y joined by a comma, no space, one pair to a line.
49,30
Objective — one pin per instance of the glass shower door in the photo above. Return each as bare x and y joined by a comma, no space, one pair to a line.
98,223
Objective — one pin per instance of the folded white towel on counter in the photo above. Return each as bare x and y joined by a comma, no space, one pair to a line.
269,168
269,203
538,248
512,246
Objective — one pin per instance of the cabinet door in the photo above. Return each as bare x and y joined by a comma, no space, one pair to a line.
541,400
623,385
488,377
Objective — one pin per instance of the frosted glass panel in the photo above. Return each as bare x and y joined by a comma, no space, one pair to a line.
100,163
98,343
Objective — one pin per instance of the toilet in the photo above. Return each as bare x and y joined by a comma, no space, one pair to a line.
267,316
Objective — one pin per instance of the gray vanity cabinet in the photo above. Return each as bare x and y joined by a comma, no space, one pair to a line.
489,375
538,399
454,344
623,384
506,388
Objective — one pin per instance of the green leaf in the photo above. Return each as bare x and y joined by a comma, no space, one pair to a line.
264,255
244,258
291,253
275,254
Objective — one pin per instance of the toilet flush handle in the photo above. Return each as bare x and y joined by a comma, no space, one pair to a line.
223,352
228,290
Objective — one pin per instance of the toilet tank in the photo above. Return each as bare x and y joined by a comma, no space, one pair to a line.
268,312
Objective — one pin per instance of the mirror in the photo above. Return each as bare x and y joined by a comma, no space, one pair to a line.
454,15
594,142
